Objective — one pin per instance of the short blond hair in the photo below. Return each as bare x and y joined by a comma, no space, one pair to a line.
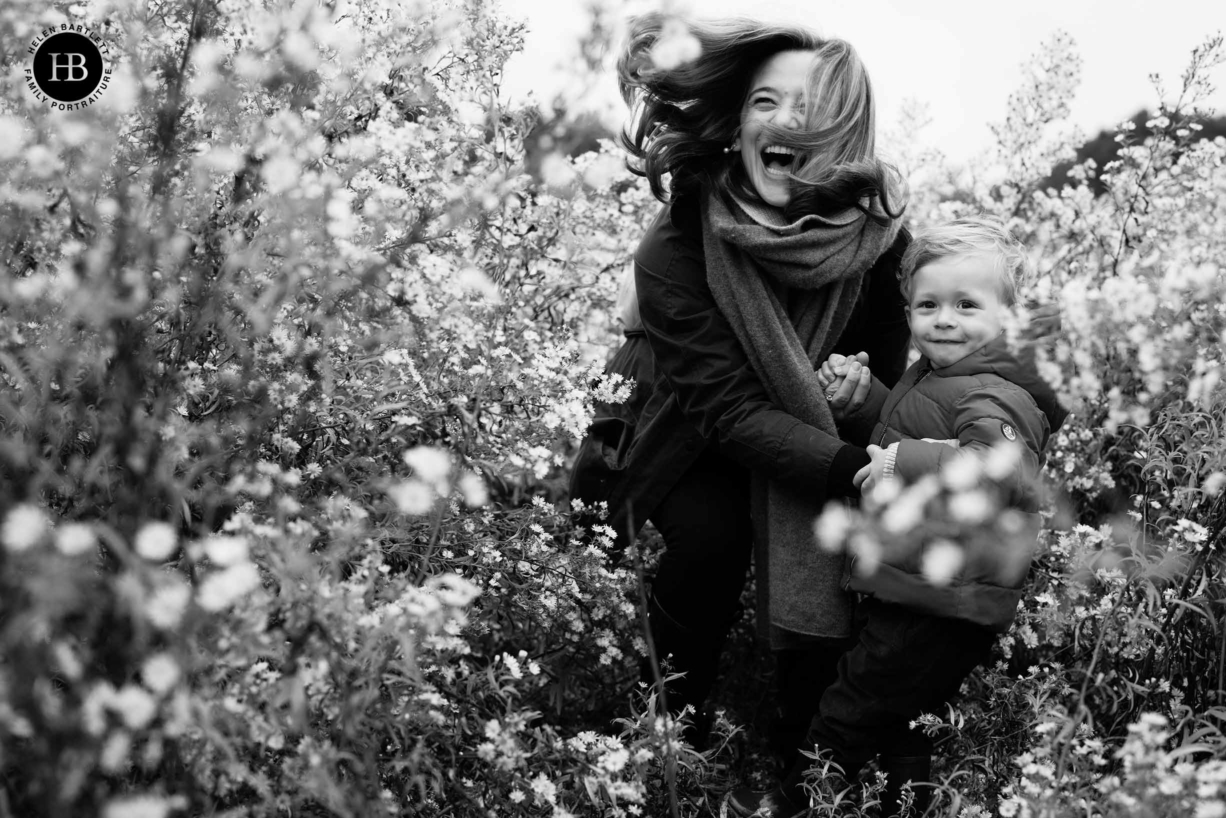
968,236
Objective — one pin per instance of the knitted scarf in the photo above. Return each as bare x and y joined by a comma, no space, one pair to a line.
788,290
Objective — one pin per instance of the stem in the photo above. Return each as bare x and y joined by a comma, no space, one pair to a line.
670,762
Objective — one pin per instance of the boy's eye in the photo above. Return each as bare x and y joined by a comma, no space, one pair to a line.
966,305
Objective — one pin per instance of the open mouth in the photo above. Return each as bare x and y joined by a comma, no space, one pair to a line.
777,160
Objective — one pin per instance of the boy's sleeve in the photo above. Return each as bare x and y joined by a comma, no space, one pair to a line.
857,427
983,418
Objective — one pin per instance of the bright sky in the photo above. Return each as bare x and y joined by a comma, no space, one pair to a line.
962,58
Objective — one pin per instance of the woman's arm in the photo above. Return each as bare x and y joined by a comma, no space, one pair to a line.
715,384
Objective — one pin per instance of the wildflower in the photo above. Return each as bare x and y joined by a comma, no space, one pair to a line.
676,46
517,796
135,706
225,551
832,527
941,561
221,589
429,463
474,491
74,539
167,603
544,789
23,527
156,542
412,497
142,806
1210,809
160,672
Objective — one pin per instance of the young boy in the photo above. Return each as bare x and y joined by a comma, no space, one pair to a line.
967,393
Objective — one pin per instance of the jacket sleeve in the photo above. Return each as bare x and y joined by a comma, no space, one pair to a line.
857,427
698,354
983,418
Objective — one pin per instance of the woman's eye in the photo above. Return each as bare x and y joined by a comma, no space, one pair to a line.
763,102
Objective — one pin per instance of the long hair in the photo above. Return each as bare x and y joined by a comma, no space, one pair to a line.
684,117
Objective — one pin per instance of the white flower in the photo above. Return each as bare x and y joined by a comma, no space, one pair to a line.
221,589
675,47
961,473
970,507
166,605
1214,483
413,497
474,491
160,672
156,542
431,464
74,539
141,806
23,527
545,789
941,561
225,551
832,527
134,705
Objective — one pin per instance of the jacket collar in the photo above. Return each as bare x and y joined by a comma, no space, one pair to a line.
1017,367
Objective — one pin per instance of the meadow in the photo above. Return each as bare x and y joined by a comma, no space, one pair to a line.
300,327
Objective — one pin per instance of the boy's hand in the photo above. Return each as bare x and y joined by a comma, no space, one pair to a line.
869,477
846,382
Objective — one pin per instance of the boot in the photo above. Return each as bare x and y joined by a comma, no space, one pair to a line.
900,771
693,652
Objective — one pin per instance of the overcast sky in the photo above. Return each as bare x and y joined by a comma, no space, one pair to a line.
960,57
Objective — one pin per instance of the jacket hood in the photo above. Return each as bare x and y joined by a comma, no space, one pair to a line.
1015,366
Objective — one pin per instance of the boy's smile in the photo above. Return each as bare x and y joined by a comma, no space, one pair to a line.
956,307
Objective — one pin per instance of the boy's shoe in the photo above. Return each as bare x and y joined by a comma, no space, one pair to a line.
747,803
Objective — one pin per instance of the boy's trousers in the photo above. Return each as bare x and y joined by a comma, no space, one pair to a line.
903,663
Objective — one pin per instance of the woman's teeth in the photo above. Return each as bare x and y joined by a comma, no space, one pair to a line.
777,160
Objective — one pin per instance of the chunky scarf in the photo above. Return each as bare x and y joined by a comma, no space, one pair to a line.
788,291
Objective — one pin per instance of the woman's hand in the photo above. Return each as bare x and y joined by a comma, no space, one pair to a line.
846,382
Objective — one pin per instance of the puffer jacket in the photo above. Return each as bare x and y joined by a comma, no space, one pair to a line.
695,387
933,416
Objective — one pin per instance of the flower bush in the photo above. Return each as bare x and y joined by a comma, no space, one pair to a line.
295,353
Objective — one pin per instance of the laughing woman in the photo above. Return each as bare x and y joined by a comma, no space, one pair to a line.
777,244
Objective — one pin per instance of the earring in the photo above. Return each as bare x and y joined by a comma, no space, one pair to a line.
736,146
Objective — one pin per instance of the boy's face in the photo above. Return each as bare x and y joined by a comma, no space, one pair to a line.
956,307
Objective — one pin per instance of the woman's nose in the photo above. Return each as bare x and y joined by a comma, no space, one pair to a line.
788,115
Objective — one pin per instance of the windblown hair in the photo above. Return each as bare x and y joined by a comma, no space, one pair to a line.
964,237
684,117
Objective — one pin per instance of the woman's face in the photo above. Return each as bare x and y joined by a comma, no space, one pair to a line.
777,95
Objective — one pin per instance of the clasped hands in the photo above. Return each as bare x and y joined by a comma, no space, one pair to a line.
846,382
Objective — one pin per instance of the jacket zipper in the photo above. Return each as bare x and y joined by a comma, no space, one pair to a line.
886,426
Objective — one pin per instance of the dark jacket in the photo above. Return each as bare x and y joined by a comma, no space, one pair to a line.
695,384
987,398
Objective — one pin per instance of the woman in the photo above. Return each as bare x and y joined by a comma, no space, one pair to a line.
778,243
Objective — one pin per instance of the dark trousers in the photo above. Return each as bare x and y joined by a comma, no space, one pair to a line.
708,537
904,663
696,593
